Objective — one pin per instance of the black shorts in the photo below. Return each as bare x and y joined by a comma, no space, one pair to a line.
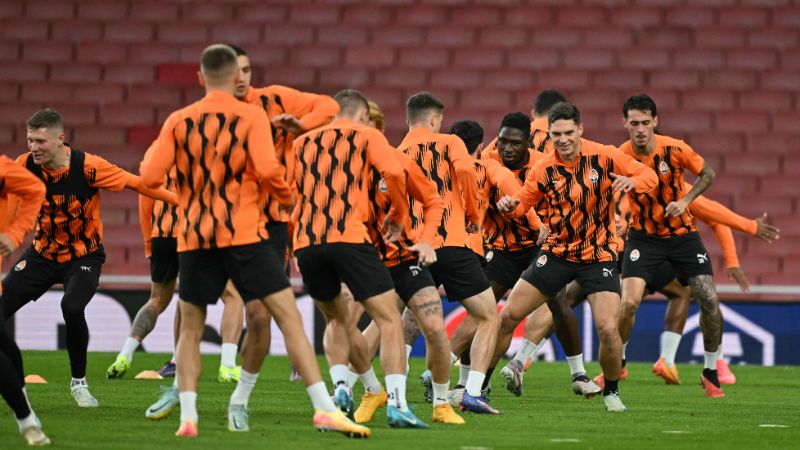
326,266
550,274
163,259
664,276
504,267
458,270
409,278
278,241
645,255
254,269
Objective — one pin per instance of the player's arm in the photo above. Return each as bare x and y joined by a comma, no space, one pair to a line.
529,195
631,175
105,175
304,110
29,192
506,183
728,245
464,168
424,191
378,151
261,152
705,177
159,157
146,205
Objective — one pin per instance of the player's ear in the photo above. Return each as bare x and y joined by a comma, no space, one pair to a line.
655,122
580,129
201,79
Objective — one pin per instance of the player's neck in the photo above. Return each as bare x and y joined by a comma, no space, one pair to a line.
648,149
523,161
422,126
59,161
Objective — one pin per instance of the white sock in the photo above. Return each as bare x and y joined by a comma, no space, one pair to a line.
241,395
78,382
408,355
463,375
339,374
27,422
229,355
576,364
710,360
172,359
129,347
669,347
453,358
475,383
720,355
396,388
320,397
352,377
624,347
440,393
527,349
188,406
371,383
27,400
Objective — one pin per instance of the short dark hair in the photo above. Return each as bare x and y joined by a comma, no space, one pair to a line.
470,132
564,111
420,104
45,118
641,102
518,121
351,101
545,100
238,50
218,60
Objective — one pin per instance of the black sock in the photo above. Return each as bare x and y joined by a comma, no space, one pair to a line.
612,387
624,361
487,379
711,375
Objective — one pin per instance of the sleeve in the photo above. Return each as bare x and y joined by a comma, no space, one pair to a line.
313,110
645,178
146,205
466,178
727,244
30,192
261,152
113,178
507,184
691,159
424,190
711,211
393,174
531,193
160,157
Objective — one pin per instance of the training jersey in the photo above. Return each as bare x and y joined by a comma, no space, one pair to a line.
158,219
492,177
333,175
69,225
313,110
669,160
224,162
21,196
580,201
444,160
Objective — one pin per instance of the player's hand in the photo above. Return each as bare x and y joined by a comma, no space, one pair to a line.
543,232
765,231
289,123
472,227
736,273
507,204
675,209
7,245
288,208
622,183
391,230
426,253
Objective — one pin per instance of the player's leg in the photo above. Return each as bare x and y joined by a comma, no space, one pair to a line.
231,332
678,297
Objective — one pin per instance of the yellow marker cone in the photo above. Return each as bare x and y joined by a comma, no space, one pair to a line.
148,375
35,379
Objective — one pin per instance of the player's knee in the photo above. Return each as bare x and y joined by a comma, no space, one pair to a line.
629,306
607,332
709,304
72,310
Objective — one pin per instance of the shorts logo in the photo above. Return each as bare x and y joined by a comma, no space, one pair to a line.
86,268
635,255
702,258
593,176
489,255
20,265
541,261
608,272
415,270
382,186
663,167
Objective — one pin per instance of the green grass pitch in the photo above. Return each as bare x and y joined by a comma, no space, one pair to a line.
547,415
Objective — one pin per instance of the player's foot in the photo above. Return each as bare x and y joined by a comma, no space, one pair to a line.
187,429
118,369
169,369
512,373
444,413
295,375
713,390
426,380
83,397
455,395
167,403
724,373
337,421
369,404
528,363
478,405
344,401
582,385
35,437
238,418
613,403
403,419
229,374
669,374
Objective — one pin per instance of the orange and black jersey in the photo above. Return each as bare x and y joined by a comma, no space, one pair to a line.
69,225
444,160
224,162
580,201
539,140
333,175
313,111
669,160
420,189
158,219
502,232
21,196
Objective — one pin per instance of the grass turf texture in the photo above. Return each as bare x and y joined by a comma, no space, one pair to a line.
547,415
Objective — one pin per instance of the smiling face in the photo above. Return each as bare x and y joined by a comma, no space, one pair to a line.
45,144
641,127
566,137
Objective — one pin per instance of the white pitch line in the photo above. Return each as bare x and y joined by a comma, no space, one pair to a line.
676,432
565,440
773,425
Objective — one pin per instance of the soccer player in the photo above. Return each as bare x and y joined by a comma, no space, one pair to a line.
539,139
577,181
68,242
662,229
21,196
446,162
332,242
225,161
